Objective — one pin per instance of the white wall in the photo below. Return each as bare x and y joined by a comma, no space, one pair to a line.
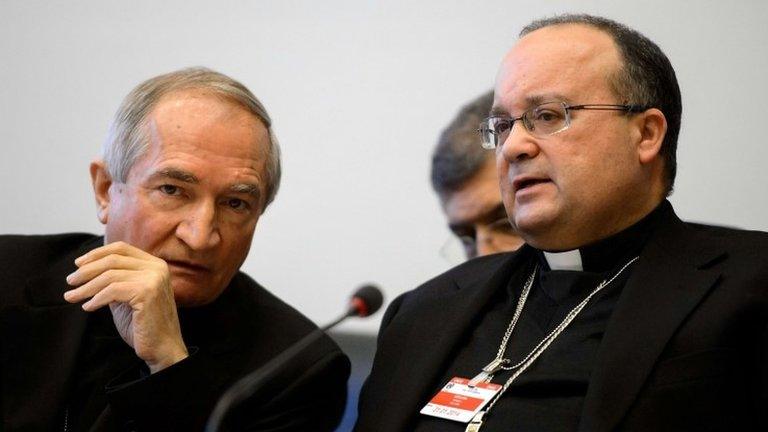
358,91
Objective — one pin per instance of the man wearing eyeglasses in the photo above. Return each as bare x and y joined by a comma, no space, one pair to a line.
615,315
464,177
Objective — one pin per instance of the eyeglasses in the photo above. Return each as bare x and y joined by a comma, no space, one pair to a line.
544,119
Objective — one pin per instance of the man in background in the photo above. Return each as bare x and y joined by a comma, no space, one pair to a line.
464,178
145,327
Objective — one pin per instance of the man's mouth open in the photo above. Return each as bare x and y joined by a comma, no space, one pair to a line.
525,183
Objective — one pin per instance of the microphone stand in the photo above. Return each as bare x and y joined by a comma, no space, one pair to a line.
247,385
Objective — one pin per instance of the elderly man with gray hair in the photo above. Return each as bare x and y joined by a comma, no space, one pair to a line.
145,327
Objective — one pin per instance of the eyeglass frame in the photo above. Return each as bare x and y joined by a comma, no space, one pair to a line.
527,123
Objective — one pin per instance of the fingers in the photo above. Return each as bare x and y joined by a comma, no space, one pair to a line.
138,286
116,285
114,256
96,284
92,269
115,262
116,248
118,292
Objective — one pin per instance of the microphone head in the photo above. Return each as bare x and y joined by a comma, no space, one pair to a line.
366,300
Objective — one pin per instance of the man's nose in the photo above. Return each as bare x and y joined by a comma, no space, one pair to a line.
199,229
519,144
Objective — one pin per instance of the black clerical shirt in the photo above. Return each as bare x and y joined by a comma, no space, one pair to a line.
103,355
548,396
106,361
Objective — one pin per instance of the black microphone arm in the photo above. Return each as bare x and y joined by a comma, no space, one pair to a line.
364,302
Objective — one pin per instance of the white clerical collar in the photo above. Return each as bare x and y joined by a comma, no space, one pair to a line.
568,260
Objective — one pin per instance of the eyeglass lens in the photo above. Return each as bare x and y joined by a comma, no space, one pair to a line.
541,120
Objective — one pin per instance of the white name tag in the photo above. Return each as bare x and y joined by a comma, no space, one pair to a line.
459,402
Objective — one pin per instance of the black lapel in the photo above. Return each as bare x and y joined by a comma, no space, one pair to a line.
442,323
40,345
669,280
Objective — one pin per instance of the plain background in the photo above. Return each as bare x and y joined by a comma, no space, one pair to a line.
359,91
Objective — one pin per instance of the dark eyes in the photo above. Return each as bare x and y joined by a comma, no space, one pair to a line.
170,189
237,204
545,116
503,126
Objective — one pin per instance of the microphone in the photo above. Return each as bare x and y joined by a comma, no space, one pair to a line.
365,301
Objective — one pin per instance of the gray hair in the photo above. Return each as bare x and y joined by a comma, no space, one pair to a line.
128,141
459,154
646,78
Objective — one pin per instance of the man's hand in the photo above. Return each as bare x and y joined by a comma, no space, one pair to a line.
137,288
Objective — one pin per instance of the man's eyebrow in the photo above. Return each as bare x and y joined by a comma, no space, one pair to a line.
492,215
498,111
496,213
176,174
247,188
532,101
187,177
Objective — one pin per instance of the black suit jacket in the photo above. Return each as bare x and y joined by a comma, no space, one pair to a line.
40,335
686,347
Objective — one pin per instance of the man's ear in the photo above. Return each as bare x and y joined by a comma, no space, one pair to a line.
101,181
652,127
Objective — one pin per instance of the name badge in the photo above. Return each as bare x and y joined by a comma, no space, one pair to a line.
458,401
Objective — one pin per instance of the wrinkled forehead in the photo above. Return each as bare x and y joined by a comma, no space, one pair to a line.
569,62
186,115
204,103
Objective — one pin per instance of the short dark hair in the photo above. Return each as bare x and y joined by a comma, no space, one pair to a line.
646,78
459,154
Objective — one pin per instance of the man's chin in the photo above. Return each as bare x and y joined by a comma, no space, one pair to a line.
533,224
191,295
533,217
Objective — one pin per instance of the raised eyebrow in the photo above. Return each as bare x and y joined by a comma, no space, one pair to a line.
176,174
